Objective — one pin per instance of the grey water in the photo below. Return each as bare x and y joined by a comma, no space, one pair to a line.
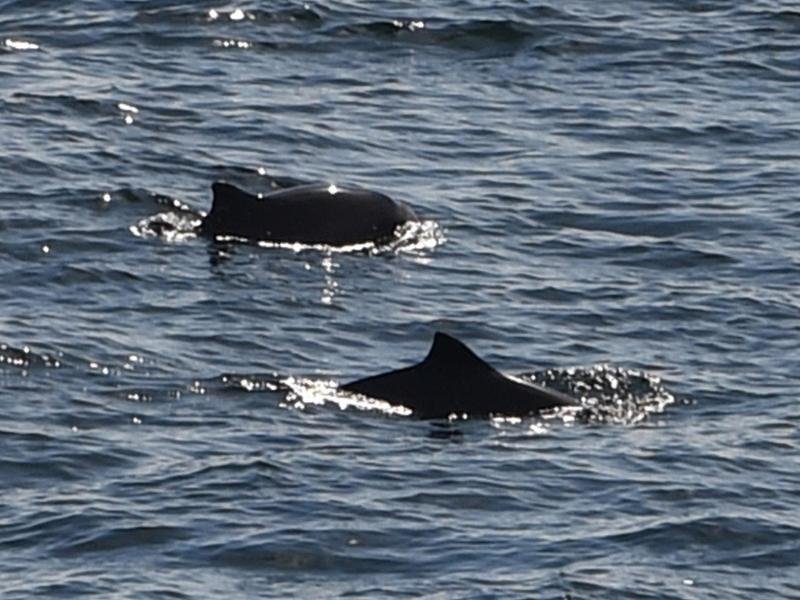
610,193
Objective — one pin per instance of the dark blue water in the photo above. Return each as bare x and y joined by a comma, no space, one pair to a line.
611,197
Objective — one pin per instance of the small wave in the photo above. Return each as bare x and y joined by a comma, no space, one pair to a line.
60,104
30,471
725,533
782,20
316,29
25,358
12,45
294,553
138,195
415,237
178,223
474,35
169,226
302,14
250,383
608,394
120,538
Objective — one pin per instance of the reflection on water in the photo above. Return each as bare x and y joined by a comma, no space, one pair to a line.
331,286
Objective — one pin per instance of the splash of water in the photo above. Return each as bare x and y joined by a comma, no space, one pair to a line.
607,394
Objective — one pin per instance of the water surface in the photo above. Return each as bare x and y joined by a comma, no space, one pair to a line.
614,193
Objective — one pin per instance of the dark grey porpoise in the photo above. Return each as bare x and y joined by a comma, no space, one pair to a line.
453,380
309,214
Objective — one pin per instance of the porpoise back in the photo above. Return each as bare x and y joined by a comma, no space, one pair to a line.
454,380
309,214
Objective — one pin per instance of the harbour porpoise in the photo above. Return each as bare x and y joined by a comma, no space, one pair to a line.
454,380
308,214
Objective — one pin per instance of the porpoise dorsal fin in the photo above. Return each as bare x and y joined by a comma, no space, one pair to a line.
448,351
225,192
227,202
452,379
